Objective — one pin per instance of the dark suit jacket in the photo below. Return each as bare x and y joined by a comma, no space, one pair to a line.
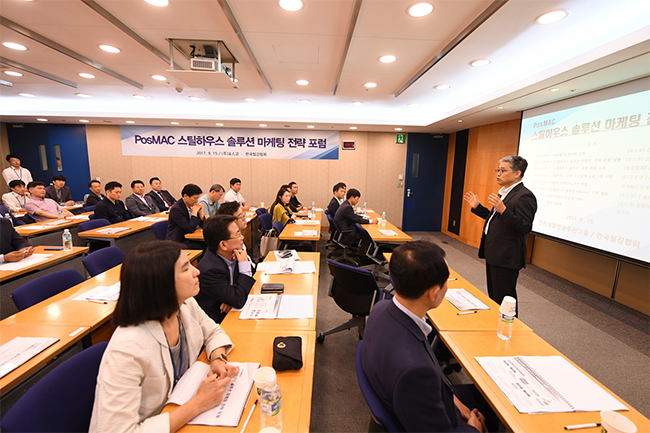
216,288
10,240
66,195
505,243
137,207
345,220
333,207
405,375
179,223
4,211
158,201
93,199
115,213
294,203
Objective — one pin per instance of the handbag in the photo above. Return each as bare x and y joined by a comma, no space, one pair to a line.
269,242
287,353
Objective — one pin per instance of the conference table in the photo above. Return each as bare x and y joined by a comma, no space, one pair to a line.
49,232
133,234
251,216
293,232
377,236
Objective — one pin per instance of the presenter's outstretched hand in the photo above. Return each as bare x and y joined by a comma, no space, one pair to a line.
496,201
472,199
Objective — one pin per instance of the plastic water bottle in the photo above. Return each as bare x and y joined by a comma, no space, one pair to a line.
507,313
383,219
7,216
60,213
271,403
364,207
67,240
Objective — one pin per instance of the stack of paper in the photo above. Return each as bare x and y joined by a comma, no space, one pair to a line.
101,294
387,232
278,307
307,222
78,217
464,300
113,230
149,219
18,351
28,261
287,266
54,223
306,233
37,227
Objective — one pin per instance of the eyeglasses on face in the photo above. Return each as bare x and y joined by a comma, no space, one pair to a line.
501,170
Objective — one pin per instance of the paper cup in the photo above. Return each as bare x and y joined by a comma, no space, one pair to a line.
508,306
261,204
613,422
260,378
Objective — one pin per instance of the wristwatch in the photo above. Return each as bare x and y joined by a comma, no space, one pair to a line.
222,356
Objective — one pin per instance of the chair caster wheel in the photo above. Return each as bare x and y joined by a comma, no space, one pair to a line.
320,338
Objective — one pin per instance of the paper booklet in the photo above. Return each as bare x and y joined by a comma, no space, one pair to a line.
113,230
275,306
464,300
387,232
18,351
228,413
101,294
287,266
27,261
547,384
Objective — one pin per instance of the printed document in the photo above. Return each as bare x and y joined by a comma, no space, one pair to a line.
101,294
547,384
464,300
18,351
29,261
294,254
150,219
387,232
78,217
275,306
306,233
307,222
228,413
114,230
287,266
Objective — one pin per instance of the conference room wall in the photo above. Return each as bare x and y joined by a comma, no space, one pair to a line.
372,167
4,150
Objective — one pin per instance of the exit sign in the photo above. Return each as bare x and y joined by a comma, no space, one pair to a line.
400,138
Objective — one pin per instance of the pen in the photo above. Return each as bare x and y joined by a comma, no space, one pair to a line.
577,426
452,279
466,312
249,417
97,302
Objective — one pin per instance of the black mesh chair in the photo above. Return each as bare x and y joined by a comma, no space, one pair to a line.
355,291
339,247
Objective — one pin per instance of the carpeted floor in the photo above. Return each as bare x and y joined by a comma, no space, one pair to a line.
608,340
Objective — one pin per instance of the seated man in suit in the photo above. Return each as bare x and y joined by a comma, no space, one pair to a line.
346,219
59,192
13,247
111,207
398,359
4,212
226,277
185,216
338,199
95,195
137,203
41,208
161,197
234,208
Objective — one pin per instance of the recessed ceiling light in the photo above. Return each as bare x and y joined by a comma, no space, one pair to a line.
83,95
420,10
27,95
398,129
551,17
15,46
357,103
310,126
302,82
130,121
14,73
84,120
159,77
110,49
159,3
263,125
249,99
218,124
175,123
480,62
460,121
370,85
85,75
291,5
194,98
442,87
412,105
304,101
499,108
555,89
353,127
140,96
387,59
42,120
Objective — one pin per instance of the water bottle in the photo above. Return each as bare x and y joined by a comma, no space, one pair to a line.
383,219
271,403
60,213
507,313
67,240
364,207
7,216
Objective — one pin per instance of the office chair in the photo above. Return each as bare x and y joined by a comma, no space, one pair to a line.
44,287
380,416
90,208
372,253
265,221
103,260
160,230
94,223
63,400
261,211
337,244
278,227
355,291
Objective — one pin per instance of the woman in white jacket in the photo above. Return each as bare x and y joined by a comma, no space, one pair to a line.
160,332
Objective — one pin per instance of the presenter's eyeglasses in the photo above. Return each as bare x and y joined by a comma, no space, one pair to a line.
500,171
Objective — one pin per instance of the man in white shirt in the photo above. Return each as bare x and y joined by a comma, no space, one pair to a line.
210,201
137,203
234,195
16,199
16,171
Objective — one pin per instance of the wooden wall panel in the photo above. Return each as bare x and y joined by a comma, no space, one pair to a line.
633,288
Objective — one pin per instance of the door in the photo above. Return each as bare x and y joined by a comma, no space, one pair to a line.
426,164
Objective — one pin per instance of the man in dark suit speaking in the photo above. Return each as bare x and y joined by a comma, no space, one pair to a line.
503,244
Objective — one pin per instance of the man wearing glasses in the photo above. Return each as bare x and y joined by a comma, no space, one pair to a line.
507,224
226,277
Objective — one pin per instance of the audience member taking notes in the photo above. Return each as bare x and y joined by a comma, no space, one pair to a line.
111,207
160,333
41,208
13,247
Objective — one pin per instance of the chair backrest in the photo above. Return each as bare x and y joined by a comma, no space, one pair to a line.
103,260
333,225
265,221
28,219
367,245
160,230
41,288
278,226
379,413
90,208
353,289
260,211
63,400
93,224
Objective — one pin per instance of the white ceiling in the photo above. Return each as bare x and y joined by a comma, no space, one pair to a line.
600,43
